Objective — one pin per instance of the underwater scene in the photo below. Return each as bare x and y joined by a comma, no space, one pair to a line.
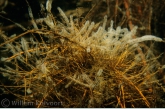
82,53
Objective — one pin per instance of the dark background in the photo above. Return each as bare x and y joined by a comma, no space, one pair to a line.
145,13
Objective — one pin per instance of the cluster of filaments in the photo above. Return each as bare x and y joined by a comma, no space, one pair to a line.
89,63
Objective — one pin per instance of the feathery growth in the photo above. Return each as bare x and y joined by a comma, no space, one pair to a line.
87,66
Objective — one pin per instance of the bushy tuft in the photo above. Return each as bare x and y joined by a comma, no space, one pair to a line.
85,66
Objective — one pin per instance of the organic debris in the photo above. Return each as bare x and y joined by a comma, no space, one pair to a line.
87,65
